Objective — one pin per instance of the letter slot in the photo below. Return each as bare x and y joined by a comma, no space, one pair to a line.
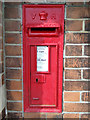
43,31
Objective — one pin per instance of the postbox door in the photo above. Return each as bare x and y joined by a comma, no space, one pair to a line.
43,85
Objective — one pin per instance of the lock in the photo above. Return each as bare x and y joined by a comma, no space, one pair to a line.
39,78
36,79
43,34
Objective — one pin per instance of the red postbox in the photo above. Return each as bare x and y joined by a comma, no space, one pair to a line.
43,34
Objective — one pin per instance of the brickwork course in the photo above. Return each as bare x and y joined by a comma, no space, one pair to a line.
76,61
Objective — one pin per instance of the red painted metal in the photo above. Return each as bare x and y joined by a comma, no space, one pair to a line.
43,26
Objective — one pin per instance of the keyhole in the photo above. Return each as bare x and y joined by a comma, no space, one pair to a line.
36,80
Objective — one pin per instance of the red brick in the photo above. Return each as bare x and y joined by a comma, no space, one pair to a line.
12,25
13,3
1,14
86,74
13,62
43,115
14,106
0,17
73,25
13,38
11,12
86,96
71,96
73,116
78,12
34,115
1,67
14,115
1,56
54,115
72,74
13,50
1,43
85,116
87,25
77,85
73,50
0,31
13,73
74,3
13,85
76,107
14,95
77,62
87,50
77,38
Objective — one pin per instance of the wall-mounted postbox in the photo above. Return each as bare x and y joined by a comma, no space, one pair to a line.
43,33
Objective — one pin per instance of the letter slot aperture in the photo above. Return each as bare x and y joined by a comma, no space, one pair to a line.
41,31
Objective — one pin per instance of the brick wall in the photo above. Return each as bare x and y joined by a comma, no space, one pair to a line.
76,80
13,55
2,83
77,61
